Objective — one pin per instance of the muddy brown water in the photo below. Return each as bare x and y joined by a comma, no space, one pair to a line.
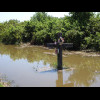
35,66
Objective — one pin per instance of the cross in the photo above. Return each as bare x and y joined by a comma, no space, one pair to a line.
59,45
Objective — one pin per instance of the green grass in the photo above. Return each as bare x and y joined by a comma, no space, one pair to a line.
1,85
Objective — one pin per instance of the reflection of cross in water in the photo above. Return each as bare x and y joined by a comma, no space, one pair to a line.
59,45
59,82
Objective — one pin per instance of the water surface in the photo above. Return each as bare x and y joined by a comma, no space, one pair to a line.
34,66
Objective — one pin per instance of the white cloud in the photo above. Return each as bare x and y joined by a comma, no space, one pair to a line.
21,16
57,14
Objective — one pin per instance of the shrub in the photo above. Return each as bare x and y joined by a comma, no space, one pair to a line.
75,37
12,35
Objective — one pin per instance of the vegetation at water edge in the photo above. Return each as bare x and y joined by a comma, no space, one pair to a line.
80,28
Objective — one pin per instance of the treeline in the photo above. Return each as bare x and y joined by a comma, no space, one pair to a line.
80,28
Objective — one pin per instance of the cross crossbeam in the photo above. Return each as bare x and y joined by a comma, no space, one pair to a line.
53,45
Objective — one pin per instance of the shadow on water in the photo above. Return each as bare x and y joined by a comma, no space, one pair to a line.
50,71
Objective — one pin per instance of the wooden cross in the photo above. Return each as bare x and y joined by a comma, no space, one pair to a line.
59,45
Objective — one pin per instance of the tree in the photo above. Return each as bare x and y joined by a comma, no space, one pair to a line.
39,16
75,37
81,17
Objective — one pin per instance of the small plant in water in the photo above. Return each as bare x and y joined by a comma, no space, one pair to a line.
54,65
66,67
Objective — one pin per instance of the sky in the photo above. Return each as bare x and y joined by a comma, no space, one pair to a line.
23,16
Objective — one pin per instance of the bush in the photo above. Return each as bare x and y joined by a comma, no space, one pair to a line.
92,42
41,37
75,37
12,35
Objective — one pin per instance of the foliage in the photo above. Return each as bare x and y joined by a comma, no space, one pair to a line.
81,28
75,37
11,34
81,17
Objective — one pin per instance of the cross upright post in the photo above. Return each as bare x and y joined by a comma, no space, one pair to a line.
59,53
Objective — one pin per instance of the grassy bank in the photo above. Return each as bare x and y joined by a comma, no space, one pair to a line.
1,85
4,82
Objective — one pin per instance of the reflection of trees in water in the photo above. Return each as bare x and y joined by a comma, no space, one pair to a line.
79,77
30,53
85,73
83,76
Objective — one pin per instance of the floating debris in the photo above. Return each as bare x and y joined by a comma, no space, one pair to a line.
49,53
97,71
45,69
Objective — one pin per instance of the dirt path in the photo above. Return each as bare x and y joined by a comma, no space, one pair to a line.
65,53
83,53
